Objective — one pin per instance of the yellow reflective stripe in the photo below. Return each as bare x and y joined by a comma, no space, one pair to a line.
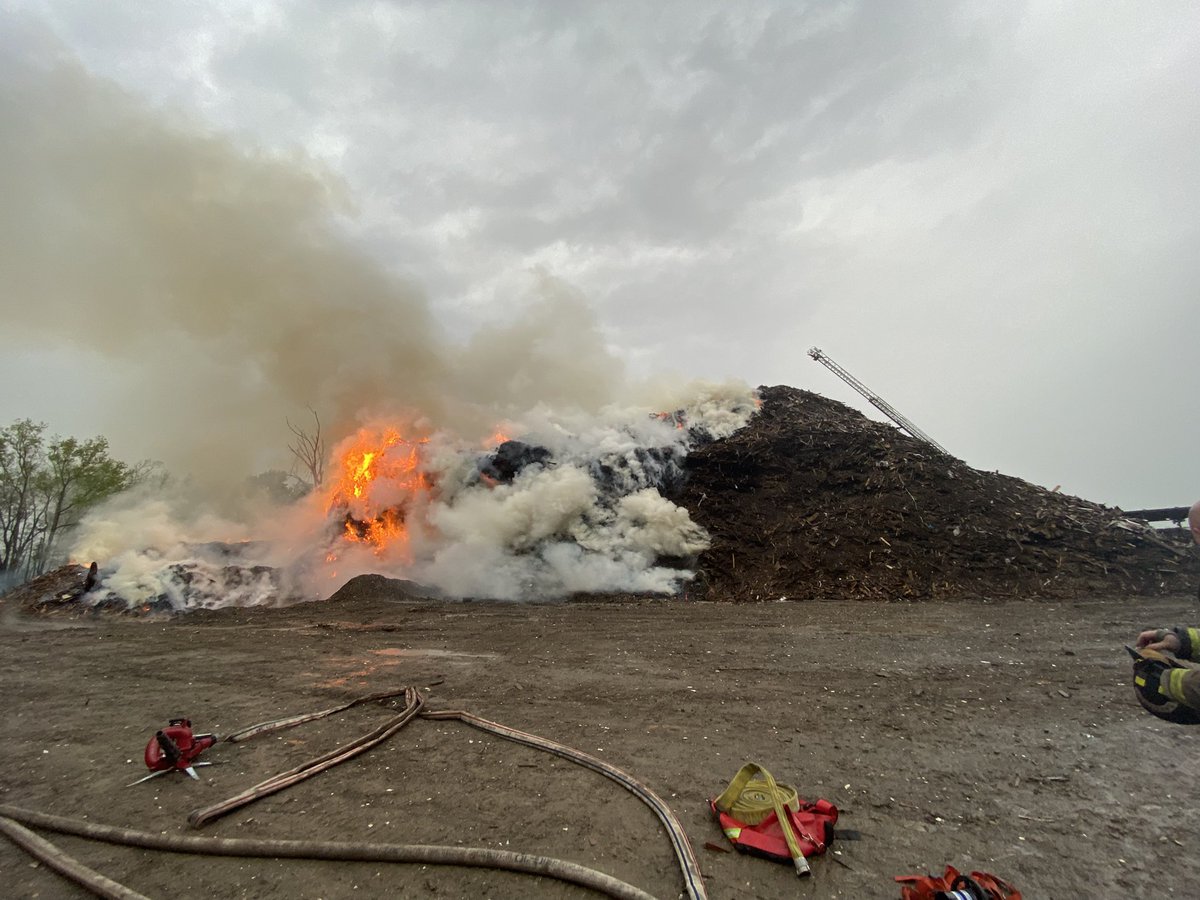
1173,687
733,833
1194,640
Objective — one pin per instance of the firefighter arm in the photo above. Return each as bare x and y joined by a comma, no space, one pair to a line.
1189,642
1183,686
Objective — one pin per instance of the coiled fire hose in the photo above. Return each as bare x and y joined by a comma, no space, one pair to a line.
753,795
468,856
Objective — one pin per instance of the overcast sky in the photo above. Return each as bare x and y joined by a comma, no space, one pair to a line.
987,212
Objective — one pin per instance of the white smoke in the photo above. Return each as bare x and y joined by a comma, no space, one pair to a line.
591,517
584,515
222,279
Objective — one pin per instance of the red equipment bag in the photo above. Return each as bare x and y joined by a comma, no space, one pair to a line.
812,823
956,886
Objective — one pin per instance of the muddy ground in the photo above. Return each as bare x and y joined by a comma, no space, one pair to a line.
994,735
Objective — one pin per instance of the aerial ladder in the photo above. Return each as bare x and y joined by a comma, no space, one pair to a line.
875,400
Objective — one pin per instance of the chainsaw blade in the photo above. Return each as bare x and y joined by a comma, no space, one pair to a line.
148,777
190,770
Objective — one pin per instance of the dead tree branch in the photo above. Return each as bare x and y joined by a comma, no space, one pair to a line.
309,448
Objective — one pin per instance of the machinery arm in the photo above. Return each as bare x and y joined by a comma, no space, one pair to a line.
875,400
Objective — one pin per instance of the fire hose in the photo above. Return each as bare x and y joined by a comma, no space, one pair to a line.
67,866
414,703
339,851
679,841
753,795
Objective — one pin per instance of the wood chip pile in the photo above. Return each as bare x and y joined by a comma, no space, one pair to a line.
812,500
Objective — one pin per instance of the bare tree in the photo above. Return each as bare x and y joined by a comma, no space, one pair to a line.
309,448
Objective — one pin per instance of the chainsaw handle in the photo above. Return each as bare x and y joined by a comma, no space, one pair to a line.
170,750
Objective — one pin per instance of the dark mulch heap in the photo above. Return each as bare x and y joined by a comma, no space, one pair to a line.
62,591
58,589
812,500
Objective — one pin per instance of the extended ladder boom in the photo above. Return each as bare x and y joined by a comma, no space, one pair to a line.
875,400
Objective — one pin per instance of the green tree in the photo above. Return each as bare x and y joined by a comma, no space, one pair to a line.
46,487
22,453
77,476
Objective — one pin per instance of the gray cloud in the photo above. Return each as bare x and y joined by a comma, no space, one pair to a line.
980,209
220,280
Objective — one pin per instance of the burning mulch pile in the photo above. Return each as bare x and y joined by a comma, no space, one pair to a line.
67,591
812,500
60,591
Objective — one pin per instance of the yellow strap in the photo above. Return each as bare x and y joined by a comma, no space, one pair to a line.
753,795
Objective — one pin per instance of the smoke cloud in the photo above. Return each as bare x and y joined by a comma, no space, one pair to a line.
225,280
577,506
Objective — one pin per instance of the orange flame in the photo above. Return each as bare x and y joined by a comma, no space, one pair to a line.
497,438
378,481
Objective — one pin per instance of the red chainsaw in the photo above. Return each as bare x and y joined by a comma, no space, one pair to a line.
175,748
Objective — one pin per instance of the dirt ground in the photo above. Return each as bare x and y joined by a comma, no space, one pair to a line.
989,735
996,736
